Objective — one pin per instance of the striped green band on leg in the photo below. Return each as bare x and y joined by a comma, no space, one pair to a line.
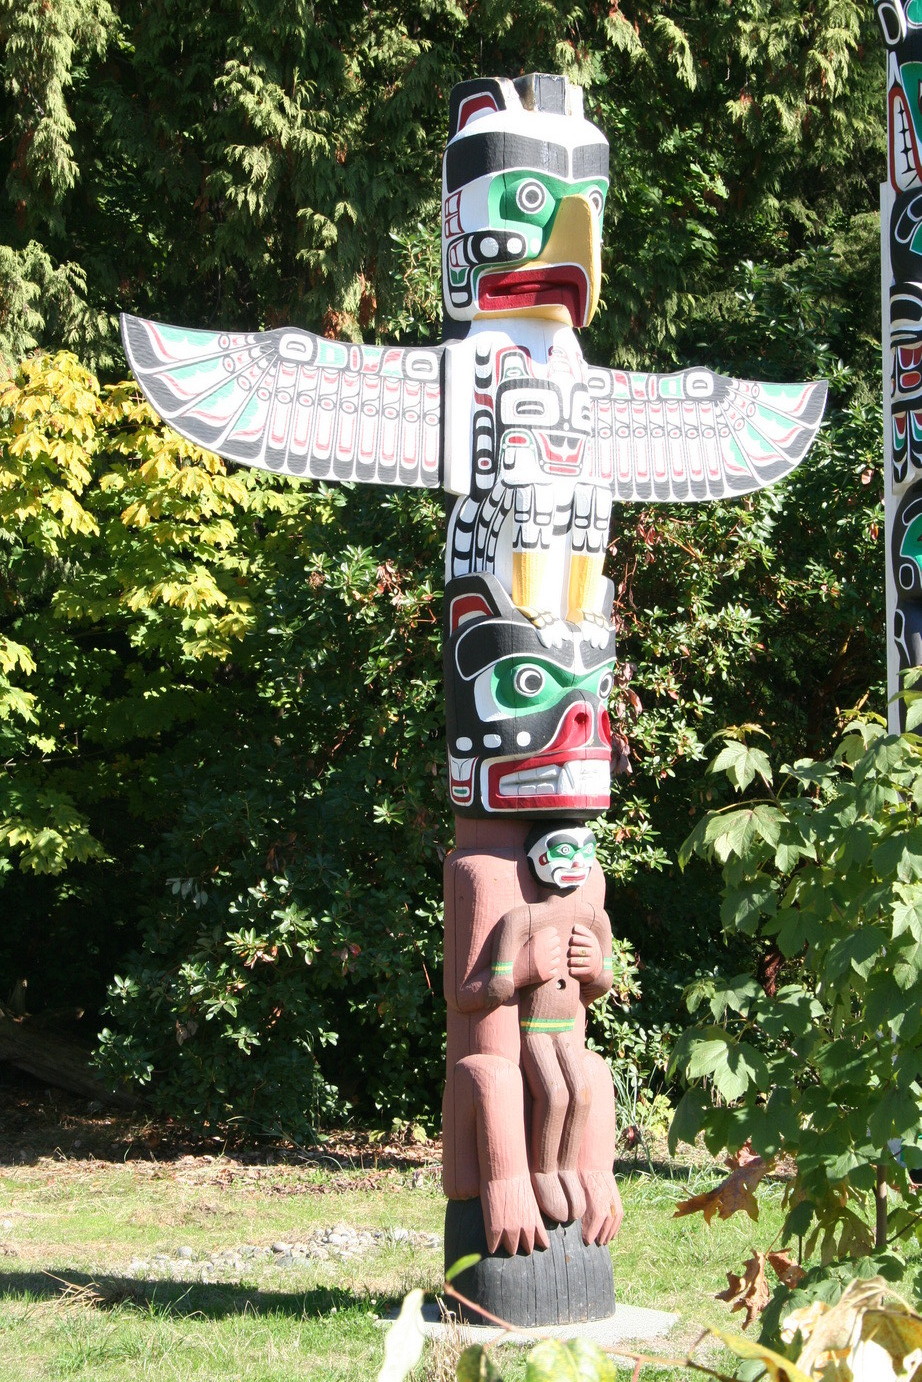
502,967
532,1025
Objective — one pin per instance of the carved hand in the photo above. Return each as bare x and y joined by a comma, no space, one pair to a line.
584,955
603,1214
540,959
511,1217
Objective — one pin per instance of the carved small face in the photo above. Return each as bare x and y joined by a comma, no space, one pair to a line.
560,858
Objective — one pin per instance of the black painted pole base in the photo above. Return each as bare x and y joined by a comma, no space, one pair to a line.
566,1283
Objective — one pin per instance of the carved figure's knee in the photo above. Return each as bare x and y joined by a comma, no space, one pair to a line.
582,1096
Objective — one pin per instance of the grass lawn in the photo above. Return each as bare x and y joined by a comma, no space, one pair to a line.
90,1253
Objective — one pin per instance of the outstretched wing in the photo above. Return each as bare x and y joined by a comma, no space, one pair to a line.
296,403
696,435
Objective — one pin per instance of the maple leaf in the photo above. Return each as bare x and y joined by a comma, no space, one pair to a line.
749,1292
786,1269
731,1195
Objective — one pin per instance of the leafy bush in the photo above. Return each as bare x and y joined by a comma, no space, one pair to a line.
819,1064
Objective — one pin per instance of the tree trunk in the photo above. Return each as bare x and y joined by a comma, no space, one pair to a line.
56,1060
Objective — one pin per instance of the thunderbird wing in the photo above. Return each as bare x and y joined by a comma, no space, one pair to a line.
696,435
295,403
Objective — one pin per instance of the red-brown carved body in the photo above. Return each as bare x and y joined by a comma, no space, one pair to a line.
488,1103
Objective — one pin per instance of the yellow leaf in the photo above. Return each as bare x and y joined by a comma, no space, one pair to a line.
778,1368
895,1329
135,516
15,655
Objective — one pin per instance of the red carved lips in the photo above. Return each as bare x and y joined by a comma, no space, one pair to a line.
559,285
567,775
555,458
574,877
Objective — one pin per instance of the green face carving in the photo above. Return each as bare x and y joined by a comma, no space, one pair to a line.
911,546
533,684
562,858
528,201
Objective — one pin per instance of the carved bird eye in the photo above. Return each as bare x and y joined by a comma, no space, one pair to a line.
529,681
596,200
605,685
531,197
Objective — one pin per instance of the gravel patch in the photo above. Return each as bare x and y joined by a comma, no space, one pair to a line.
337,1244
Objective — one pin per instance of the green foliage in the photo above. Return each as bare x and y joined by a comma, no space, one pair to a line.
226,760
277,835
821,1063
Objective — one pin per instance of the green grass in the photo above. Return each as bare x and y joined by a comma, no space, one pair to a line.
72,1307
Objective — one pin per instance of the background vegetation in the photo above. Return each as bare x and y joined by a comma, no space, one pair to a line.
220,695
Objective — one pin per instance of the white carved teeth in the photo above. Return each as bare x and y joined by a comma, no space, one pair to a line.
582,777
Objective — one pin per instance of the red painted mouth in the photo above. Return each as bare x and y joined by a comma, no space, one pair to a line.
568,775
561,285
576,876
555,459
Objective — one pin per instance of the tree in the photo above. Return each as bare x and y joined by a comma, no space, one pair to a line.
203,659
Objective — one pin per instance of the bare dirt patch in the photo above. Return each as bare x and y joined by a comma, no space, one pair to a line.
37,1123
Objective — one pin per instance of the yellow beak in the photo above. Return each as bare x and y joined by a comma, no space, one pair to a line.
576,238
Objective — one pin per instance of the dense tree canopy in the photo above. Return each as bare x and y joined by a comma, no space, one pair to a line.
219,695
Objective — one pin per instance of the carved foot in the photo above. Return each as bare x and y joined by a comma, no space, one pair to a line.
511,1216
603,1213
550,1195
552,631
576,1197
595,629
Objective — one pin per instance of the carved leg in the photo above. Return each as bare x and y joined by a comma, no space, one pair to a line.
603,1214
550,1098
571,1055
489,1104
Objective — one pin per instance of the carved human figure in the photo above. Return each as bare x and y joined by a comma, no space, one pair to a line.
552,1053
550,937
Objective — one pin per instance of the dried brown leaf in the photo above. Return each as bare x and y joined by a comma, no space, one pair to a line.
786,1270
731,1196
743,1157
749,1292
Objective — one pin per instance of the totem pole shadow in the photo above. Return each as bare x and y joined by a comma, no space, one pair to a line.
211,1300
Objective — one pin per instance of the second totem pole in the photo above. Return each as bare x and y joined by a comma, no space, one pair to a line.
535,445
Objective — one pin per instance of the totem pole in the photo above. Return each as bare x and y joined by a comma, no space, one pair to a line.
535,445
901,294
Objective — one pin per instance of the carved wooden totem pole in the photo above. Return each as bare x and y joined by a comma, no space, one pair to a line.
536,445
901,254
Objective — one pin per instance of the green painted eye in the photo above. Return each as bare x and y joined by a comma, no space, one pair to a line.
532,685
911,546
531,197
529,681
515,685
